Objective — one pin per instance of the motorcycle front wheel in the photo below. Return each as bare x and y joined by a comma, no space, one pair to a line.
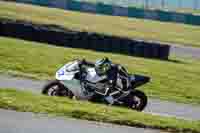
137,100
55,88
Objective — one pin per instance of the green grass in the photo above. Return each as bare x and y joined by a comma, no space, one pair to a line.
23,101
177,81
187,35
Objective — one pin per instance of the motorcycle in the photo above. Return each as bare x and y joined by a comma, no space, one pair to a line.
73,81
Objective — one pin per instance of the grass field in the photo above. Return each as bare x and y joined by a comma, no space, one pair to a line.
121,26
177,81
23,101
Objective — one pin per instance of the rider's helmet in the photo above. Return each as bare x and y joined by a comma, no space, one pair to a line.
102,66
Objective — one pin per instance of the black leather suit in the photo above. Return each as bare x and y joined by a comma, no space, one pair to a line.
112,74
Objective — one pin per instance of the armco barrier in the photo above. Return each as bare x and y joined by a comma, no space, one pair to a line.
63,4
104,9
88,7
115,10
137,13
164,16
120,11
74,5
58,36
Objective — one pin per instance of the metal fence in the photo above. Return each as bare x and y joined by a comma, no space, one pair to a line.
168,4
160,4
187,5
125,8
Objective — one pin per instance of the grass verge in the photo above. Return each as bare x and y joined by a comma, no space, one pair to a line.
174,80
24,101
111,25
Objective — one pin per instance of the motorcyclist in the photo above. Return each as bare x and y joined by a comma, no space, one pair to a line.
113,72
106,67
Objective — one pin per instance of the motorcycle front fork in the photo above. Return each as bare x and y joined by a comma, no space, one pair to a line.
116,97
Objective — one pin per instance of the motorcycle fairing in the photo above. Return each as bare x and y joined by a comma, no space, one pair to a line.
138,80
68,71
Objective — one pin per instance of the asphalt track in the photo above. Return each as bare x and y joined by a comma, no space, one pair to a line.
157,107
21,122
185,51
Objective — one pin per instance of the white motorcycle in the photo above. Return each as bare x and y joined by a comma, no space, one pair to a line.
85,84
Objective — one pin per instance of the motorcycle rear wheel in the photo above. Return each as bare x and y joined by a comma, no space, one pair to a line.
55,88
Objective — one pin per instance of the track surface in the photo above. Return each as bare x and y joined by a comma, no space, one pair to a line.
18,122
183,51
157,107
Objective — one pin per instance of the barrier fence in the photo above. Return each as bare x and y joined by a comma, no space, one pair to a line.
158,4
130,9
85,40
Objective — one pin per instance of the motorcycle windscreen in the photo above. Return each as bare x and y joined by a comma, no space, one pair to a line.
61,74
64,77
67,72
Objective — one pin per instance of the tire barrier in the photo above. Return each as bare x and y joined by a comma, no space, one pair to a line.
59,36
116,10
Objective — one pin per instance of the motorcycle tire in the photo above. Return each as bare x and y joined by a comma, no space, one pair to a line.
55,88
